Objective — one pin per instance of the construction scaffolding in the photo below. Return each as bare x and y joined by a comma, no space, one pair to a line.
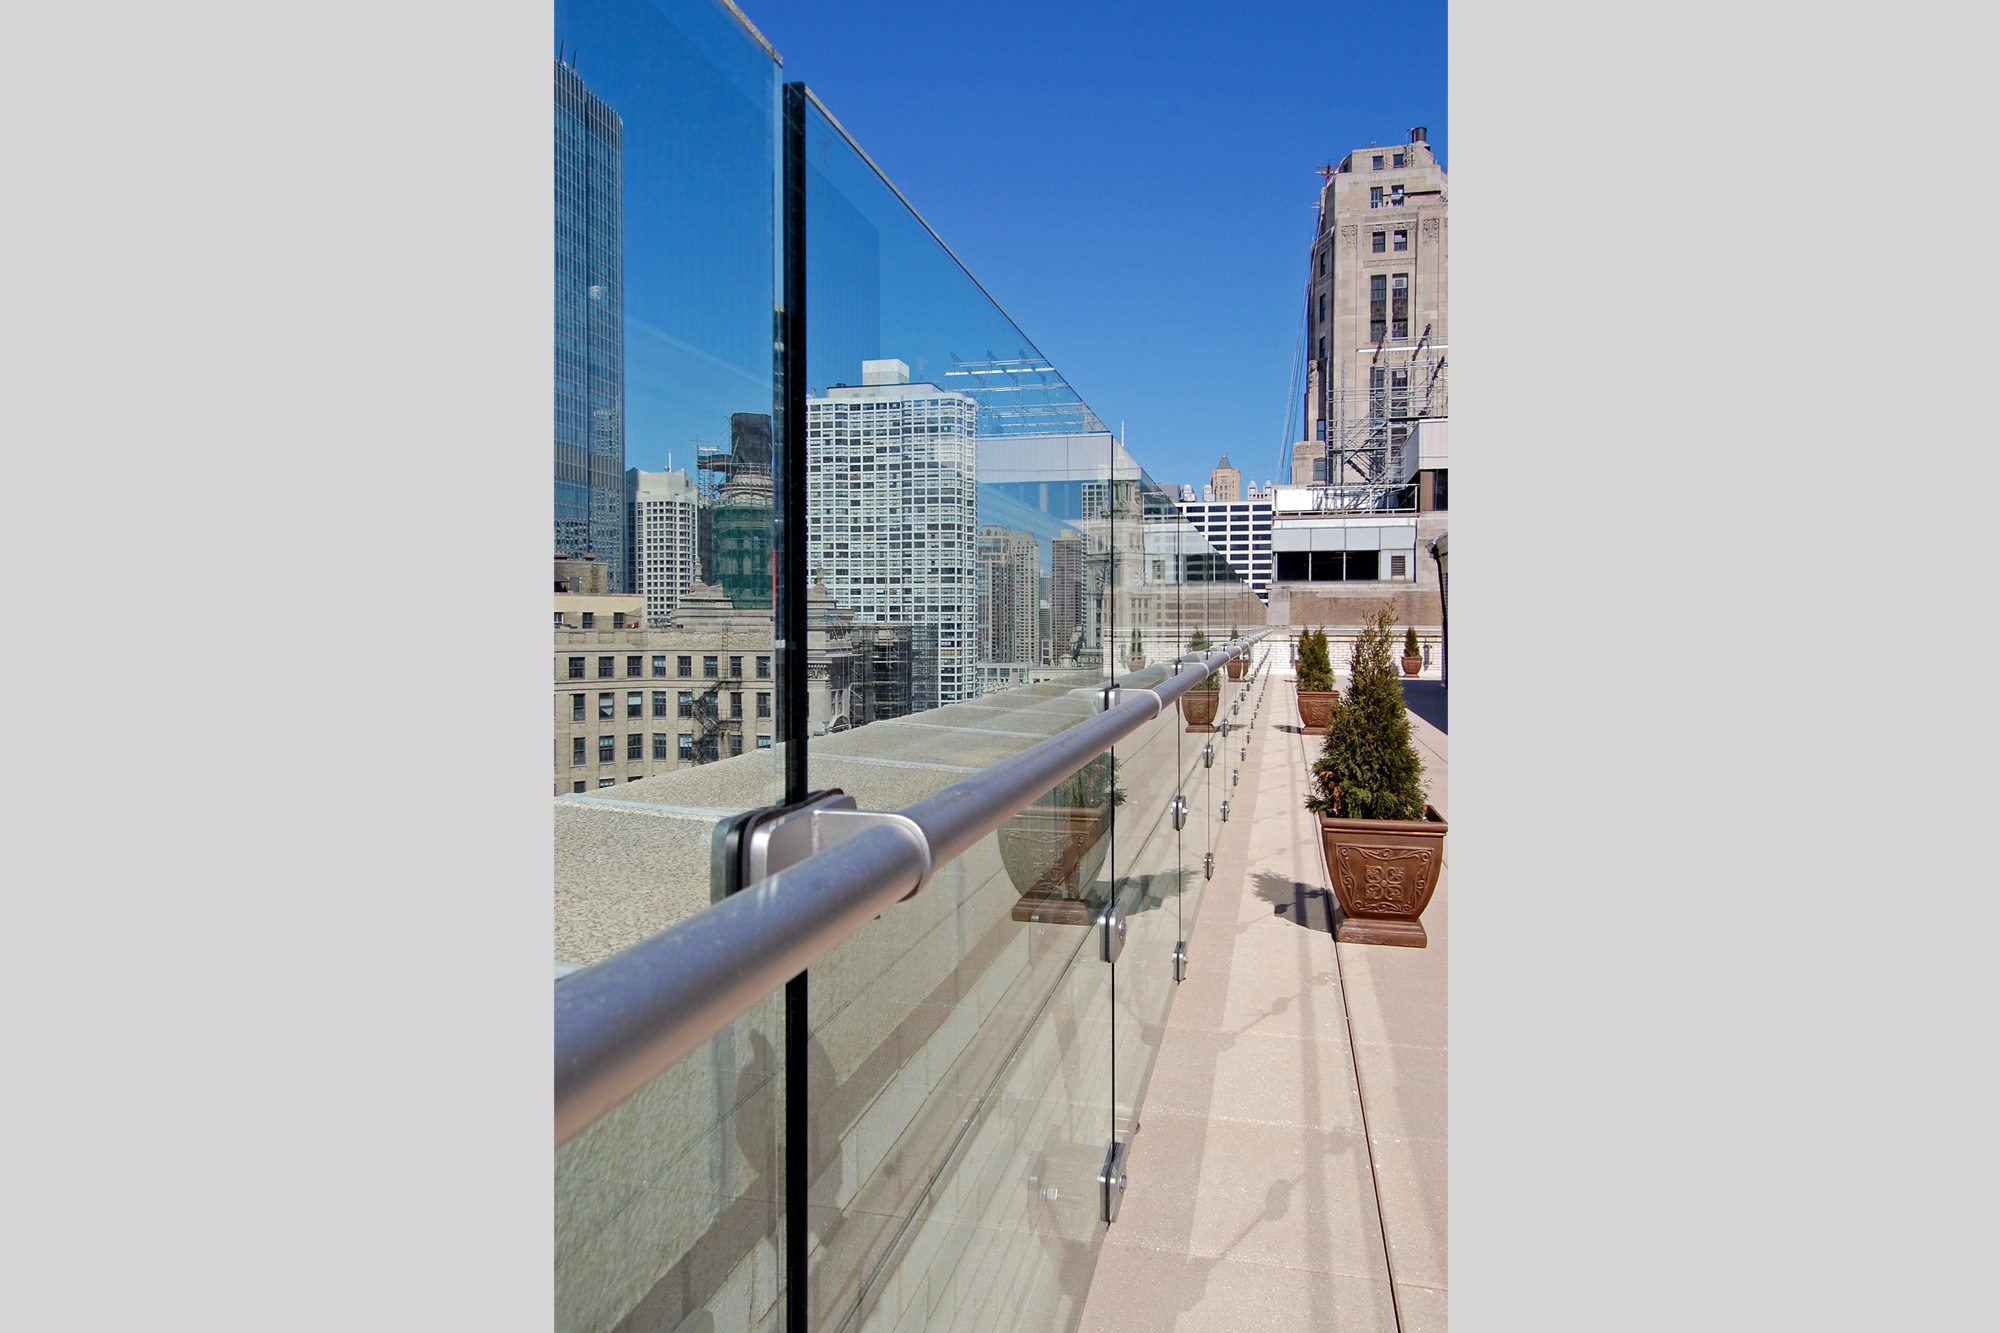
1371,429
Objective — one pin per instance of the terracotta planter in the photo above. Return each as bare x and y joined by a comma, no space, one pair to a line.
1384,872
1412,665
1198,707
1236,668
1053,854
1315,707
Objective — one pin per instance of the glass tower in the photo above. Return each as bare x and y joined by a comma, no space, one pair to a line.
590,328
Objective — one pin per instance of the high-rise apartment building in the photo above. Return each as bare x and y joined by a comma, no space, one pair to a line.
660,527
892,508
589,326
1227,482
1010,570
1376,315
1066,597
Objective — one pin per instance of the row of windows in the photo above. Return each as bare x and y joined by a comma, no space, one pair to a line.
711,666
635,748
1395,199
1338,566
635,704
1402,160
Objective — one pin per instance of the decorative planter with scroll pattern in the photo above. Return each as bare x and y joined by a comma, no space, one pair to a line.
1384,872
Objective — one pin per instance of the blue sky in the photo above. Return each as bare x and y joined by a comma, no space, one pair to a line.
1132,183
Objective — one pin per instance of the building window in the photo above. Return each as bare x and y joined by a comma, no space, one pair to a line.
763,703
1399,306
576,668
605,707
1377,166
618,620
576,744
1321,424
709,667
1378,307
576,708
607,782
635,745
559,624
1378,241
1322,307
1375,196
686,750
607,749
736,668
763,742
577,786
1322,348
635,704
590,620
659,703
1322,263
763,668
685,665
736,703
1399,160
736,743
1399,566
1438,489
660,664
710,704
687,703
1395,196
634,665
604,667
660,745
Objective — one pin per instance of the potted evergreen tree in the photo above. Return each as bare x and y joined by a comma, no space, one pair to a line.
1413,656
1236,664
1384,843
1315,683
1198,704
1053,849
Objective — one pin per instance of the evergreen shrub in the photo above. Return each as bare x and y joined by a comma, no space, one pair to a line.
1315,666
1410,648
1198,643
1369,768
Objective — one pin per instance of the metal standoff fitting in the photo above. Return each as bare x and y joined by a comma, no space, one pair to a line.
1208,756
1208,865
1225,812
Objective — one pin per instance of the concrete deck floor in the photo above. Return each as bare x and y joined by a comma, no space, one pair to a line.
1290,1167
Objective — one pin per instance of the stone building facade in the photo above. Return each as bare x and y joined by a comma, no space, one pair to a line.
1378,301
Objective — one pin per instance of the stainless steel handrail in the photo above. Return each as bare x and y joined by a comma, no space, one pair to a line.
623,1021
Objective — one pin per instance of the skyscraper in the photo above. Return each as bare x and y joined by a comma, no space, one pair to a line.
589,326
1228,482
1009,595
1066,591
1377,307
892,504
659,539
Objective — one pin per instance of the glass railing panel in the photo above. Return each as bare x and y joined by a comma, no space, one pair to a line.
959,498
673,1203
666,680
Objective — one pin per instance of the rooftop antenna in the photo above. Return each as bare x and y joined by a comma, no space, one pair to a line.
559,53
